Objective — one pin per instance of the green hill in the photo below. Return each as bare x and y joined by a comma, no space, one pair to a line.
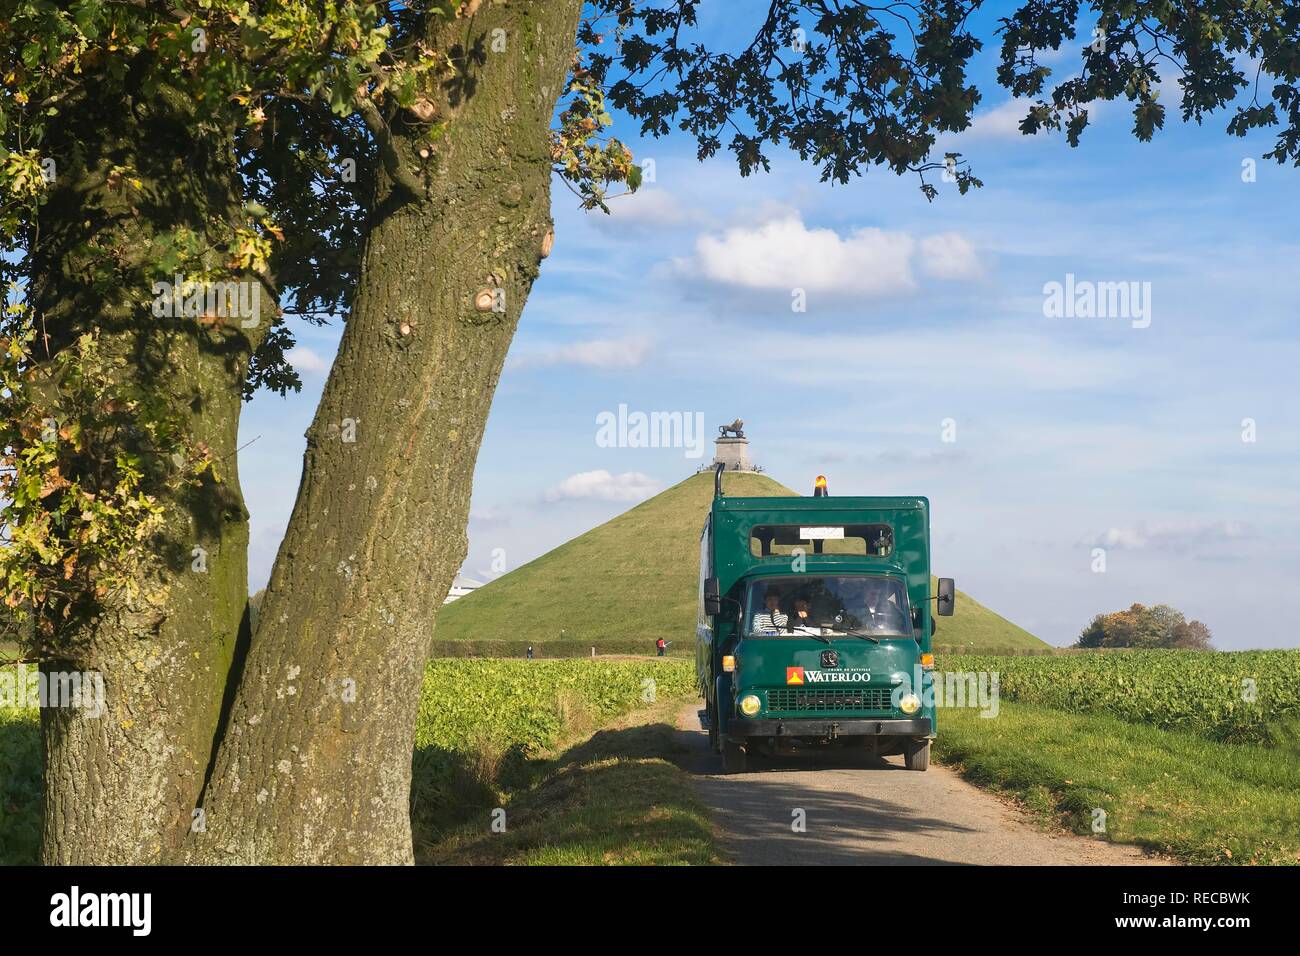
625,583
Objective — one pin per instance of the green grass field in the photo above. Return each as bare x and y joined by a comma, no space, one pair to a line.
635,578
1200,801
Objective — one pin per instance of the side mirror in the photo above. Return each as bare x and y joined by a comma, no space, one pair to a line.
712,598
947,597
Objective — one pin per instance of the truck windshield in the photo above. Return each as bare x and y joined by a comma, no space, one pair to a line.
827,606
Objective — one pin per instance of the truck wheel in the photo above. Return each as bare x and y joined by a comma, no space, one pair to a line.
733,757
714,737
916,754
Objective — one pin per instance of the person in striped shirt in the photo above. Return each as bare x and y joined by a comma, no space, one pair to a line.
771,619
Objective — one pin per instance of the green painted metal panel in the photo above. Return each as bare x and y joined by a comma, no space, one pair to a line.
763,662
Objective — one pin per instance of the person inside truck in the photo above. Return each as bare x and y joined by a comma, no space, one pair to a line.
771,619
801,619
825,604
872,604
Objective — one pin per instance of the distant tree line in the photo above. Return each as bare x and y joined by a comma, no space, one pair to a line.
1146,627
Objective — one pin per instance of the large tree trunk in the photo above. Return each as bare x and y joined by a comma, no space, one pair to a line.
121,787
315,766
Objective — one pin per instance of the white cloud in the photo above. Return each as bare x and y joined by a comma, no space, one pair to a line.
1196,538
1126,538
602,486
990,357
949,255
784,253
596,353
488,515
650,206
305,360
1000,122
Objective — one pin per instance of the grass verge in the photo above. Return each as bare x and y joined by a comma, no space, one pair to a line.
1200,801
484,724
611,798
20,786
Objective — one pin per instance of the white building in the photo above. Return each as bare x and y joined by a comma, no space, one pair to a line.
460,587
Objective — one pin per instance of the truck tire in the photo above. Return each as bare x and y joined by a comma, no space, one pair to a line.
733,757
916,754
715,738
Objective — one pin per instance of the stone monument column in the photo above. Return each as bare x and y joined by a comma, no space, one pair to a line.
731,448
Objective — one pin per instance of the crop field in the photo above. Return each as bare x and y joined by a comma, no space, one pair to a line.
1197,800
1192,753
479,720
1239,697
523,703
482,722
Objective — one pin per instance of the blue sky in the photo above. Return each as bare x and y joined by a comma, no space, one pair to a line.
1070,433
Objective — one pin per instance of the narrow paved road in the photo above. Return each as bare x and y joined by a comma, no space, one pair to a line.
865,810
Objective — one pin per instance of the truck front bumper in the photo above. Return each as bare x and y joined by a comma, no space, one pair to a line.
742,727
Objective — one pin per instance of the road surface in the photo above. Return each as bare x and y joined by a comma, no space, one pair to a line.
866,810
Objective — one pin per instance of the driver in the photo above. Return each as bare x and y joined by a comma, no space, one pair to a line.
869,603
880,600
772,619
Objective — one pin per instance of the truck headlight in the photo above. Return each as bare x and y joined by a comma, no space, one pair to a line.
909,703
750,705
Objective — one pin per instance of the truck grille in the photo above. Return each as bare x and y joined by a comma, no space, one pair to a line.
786,700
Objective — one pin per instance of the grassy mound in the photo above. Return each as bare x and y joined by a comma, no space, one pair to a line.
634,579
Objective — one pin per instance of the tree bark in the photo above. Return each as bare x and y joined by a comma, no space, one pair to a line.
315,765
120,788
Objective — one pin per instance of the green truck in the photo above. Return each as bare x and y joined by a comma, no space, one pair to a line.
815,625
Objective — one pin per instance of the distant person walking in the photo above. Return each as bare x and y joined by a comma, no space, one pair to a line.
661,645
530,652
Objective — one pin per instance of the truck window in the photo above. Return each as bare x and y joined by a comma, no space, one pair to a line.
876,540
829,606
705,621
